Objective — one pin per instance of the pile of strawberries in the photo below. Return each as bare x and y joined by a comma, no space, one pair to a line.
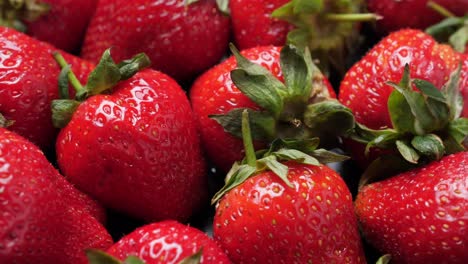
142,108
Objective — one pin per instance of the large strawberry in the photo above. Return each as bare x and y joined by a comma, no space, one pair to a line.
280,89
43,218
61,23
419,216
28,84
283,206
134,148
163,242
181,39
401,14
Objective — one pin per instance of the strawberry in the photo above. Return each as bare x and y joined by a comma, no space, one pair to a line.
163,242
419,216
181,39
464,83
44,219
28,84
299,212
216,93
406,11
135,148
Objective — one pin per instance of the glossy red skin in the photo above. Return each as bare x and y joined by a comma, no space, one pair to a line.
137,150
464,84
28,84
411,13
215,93
180,40
168,242
253,26
265,221
42,220
65,25
419,216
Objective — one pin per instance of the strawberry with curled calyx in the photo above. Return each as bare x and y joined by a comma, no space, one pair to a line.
129,140
282,206
287,95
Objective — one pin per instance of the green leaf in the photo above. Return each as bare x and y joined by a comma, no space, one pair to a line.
223,6
5,122
329,118
307,145
429,90
258,84
399,111
130,67
385,259
460,38
429,145
105,76
296,155
299,37
384,167
62,111
325,156
308,6
408,153
63,82
262,124
297,72
189,2
444,25
451,91
277,167
237,175
458,129
96,256
285,11
193,259
133,260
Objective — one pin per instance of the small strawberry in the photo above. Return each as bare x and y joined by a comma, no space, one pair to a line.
44,219
131,145
28,84
401,14
282,206
182,39
278,85
419,216
163,242
61,23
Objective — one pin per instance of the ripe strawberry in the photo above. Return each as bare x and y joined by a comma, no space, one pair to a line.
299,212
406,11
134,149
28,84
181,39
464,83
163,242
419,216
43,219
215,93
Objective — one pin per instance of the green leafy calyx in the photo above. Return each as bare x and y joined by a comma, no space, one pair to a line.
13,13
96,256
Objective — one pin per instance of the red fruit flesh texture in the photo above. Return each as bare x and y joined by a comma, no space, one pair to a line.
265,221
168,242
401,14
137,150
215,93
28,84
419,216
364,89
180,40
42,221
253,25
65,24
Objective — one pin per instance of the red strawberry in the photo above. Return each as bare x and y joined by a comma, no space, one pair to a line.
419,216
135,149
406,11
181,39
164,242
215,93
299,212
464,83
43,219
28,84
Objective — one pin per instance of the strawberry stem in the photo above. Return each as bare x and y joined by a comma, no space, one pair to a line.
247,139
440,9
353,17
80,90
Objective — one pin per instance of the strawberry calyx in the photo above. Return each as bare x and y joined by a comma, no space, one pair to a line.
452,29
5,122
101,80
299,108
14,12
328,28
385,259
96,256
303,151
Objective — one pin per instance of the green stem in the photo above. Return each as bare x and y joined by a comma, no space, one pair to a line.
79,88
353,17
440,9
247,139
